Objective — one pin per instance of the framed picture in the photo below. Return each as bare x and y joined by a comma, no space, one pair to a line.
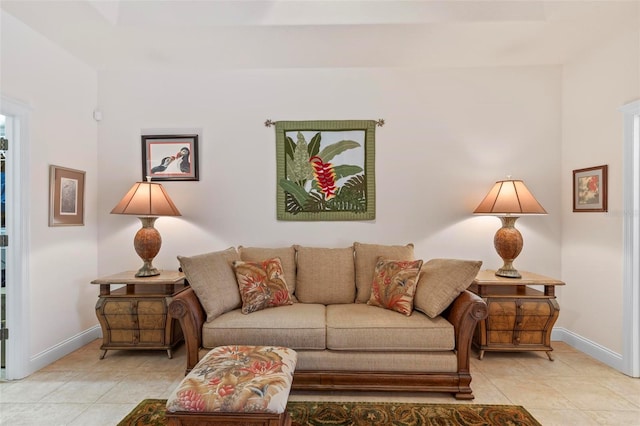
170,157
66,196
325,170
590,189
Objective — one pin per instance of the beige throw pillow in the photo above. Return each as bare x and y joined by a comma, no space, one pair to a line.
213,280
441,281
287,256
366,257
325,275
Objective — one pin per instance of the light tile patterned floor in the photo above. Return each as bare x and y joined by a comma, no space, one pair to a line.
83,390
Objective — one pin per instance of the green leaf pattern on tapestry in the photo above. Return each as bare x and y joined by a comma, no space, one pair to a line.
337,148
299,170
296,191
289,147
314,145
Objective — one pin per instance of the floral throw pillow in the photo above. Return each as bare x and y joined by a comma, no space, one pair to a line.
394,284
262,284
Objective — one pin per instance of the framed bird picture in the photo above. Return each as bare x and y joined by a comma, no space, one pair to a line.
170,157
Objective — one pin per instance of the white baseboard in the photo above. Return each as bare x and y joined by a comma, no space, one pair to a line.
602,354
63,348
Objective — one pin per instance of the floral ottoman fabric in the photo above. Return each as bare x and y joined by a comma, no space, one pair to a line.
237,379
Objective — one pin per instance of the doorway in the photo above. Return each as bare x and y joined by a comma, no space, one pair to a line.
3,257
15,231
631,262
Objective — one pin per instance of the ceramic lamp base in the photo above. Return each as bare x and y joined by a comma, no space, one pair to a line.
147,243
508,243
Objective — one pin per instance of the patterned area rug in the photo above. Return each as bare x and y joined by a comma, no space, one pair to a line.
150,412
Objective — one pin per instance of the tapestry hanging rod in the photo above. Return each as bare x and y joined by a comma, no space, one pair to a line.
269,123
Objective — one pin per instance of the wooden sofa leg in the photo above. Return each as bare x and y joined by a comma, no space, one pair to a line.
465,395
464,388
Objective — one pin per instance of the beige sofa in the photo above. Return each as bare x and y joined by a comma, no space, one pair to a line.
327,314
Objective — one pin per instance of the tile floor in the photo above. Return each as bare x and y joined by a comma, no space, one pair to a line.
81,389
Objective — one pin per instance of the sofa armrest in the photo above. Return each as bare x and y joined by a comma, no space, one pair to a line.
186,308
464,313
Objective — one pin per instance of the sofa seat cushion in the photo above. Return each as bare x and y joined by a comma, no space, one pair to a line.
297,326
360,327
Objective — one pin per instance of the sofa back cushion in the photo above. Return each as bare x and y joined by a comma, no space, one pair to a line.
366,257
441,281
325,275
213,280
287,256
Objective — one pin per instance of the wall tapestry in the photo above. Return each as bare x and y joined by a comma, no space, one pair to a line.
325,170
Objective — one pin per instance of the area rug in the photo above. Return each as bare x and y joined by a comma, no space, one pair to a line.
150,412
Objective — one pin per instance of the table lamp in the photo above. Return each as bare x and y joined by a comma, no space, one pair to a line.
509,199
147,200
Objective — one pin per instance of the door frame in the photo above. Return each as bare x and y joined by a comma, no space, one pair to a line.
17,219
631,231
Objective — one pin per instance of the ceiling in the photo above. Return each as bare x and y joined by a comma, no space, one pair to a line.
325,33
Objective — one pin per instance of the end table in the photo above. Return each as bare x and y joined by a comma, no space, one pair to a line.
521,317
135,316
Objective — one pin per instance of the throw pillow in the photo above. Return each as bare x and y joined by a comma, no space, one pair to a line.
442,280
287,257
262,284
325,275
394,284
212,279
366,257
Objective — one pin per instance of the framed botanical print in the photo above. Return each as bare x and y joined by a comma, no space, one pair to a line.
170,157
590,189
66,196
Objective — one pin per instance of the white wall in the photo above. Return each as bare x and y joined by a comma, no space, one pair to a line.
450,134
62,93
594,87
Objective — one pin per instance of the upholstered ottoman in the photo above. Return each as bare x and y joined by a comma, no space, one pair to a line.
246,385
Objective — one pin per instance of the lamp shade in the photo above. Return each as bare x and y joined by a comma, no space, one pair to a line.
146,199
509,197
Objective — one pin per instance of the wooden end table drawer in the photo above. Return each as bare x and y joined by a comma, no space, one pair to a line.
136,315
520,317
